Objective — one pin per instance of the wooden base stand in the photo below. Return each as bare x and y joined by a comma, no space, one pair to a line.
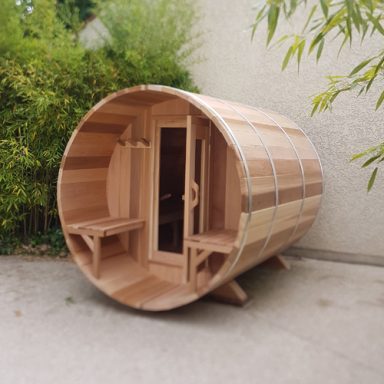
230,293
277,262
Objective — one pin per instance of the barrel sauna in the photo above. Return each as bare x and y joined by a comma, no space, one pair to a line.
166,195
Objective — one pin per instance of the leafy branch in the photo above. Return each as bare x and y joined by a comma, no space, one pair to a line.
329,20
375,155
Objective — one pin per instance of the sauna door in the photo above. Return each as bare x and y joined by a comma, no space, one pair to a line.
180,186
170,168
196,176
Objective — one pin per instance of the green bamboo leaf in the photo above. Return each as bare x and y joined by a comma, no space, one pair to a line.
300,50
334,20
376,22
359,67
311,13
324,7
358,156
364,31
355,18
334,95
361,91
260,16
273,17
314,109
349,4
316,25
376,71
349,30
320,49
357,13
370,161
324,105
287,58
380,100
364,153
372,179
315,41
281,40
342,44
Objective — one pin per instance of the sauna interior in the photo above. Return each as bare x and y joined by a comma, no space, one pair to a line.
150,199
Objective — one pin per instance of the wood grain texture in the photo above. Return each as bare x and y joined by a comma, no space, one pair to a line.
231,293
261,186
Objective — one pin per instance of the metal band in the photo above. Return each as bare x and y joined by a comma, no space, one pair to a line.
318,158
274,176
301,170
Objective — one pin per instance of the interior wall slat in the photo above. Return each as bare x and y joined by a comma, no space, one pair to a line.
89,144
171,107
144,98
89,162
122,109
84,213
109,118
82,195
84,175
113,129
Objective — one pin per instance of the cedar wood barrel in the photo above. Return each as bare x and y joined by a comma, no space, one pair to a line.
165,195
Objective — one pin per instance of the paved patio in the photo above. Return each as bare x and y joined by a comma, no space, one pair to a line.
320,322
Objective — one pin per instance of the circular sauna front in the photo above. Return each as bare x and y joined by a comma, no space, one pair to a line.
166,195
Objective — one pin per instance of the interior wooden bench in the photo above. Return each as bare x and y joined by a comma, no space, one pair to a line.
93,230
204,244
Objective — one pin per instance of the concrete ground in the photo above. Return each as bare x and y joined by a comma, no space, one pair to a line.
320,322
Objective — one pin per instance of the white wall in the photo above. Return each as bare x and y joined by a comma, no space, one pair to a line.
351,222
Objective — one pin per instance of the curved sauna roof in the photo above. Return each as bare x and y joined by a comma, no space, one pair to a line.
241,184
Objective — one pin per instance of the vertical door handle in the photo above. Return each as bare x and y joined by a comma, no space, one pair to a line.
195,190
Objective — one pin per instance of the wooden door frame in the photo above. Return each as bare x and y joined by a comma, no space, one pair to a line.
203,132
196,129
171,258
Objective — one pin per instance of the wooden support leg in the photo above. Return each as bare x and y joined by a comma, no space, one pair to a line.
230,293
193,268
277,262
96,256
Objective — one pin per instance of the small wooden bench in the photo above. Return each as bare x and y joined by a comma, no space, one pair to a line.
204,244
93,230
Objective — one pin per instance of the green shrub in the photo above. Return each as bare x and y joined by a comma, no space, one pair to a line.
150,41
48,82
41,102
